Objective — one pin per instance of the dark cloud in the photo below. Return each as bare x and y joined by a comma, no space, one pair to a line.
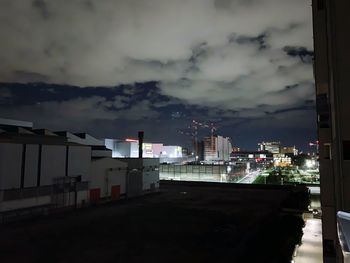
107,61
303,53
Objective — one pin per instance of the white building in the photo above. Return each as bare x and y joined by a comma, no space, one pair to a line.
108,179
282,160
98,148
48,170
171,151
129,148
40,168
142,175
123,149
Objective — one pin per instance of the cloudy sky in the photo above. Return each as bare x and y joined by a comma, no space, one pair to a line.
113,67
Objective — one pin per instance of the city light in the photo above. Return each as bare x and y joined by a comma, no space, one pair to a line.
310,163
131,140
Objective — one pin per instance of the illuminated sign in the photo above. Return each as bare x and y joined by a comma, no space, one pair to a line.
131,140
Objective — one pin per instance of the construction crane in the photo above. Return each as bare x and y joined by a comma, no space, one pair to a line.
209,126
194,127
316,144
196,124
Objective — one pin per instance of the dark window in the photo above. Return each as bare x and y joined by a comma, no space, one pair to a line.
67,159
323,120
24,147
39,165
346,150
322,104
327,151
320,4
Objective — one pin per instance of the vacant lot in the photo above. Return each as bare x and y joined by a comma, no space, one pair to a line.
182,223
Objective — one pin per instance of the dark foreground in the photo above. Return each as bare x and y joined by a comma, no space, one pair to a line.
183,223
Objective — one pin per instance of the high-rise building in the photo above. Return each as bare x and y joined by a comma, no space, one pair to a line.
217,148
273,147
331,22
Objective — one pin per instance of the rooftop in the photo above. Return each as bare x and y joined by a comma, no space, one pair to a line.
184,222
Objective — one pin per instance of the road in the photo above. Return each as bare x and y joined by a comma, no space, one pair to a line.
249,178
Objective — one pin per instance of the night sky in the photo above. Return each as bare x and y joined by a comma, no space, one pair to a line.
111,68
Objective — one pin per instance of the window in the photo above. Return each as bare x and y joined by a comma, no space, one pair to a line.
320,4
346,150
327,151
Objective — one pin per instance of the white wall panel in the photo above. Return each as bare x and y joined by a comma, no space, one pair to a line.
79,158
10,165
31,165
53,161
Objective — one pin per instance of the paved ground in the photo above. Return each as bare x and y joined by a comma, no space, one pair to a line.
311,249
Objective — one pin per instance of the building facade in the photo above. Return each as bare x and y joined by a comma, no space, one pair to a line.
217,148
40,168
129,148
107,179
331,68
44,170
289,150
273,147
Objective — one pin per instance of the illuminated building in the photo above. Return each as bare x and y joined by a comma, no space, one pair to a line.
281,160
289,150
264,157
236,149
128,148
273,147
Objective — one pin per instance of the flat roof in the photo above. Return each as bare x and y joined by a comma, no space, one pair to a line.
183,222
18,123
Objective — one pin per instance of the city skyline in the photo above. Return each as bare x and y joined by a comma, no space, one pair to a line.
113,68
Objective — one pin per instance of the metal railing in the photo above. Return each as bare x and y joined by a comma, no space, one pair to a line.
343,219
